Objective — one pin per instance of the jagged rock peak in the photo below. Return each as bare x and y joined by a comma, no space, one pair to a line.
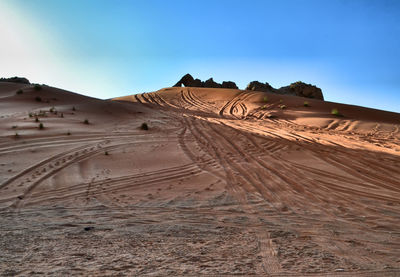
189,81
19,80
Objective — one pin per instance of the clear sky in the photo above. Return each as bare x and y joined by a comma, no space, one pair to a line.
108,48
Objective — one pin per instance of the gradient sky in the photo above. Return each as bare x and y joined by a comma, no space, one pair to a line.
108,48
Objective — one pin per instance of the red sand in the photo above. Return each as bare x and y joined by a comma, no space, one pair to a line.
223,182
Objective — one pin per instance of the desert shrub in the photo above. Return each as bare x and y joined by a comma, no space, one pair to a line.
336,112
73,108
41,126
38,99
62,115
68,133
20,91
265,99
16,135
52,109
86,121
106,153
144,126
263,107
14,127
282,107
36,119
281,101
306,104
30,114
37,87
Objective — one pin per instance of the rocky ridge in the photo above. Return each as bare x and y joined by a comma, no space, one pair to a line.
297,89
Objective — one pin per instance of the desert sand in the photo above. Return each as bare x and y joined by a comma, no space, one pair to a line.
224,182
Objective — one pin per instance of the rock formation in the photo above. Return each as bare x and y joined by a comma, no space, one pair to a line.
258,86
298,89
189,81
19,80
303,90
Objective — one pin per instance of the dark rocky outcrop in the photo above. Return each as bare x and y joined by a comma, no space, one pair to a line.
19,80
303,90
298,89
189,81
229,84
211,84
258,86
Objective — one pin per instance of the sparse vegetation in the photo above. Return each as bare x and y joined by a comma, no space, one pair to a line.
30,114
16,135
62,115
73,108
86,121
52,109
41,126
36,119
263,107
68,133
38,99
37,87
14,127
106,153
282,107
306,104
20,91
336,112
265,99
144,126
281,101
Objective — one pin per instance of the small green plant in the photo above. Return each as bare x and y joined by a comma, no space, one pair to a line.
30,114
86,121
282,107
281,101
336,112
52,109
41,126
306,104
38,99
265,99
106,153
37,87
144,126
263,107
20,91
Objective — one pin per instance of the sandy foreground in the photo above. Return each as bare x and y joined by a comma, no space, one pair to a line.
224,182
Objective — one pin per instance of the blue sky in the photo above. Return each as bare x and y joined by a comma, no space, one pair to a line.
108,48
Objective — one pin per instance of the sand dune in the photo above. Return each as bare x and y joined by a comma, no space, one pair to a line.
224,182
